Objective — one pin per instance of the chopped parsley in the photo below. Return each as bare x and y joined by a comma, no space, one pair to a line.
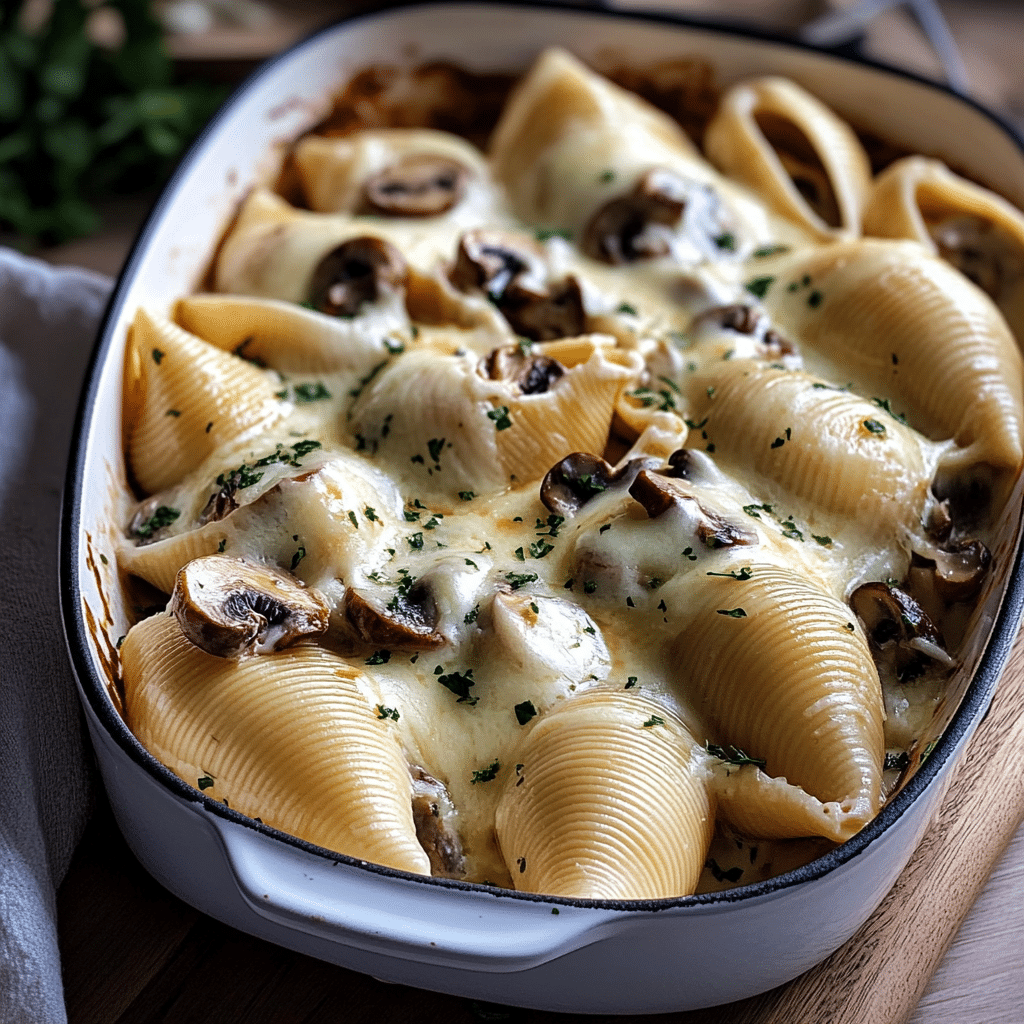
383,712
543,234
759,286
733,613
459,683
173,412
540,549
524,712
743,573
654,720
824,540
471,617
626,307
163,516
500,416
519,579
415,541
466,495
299,555
488,773
769,250
630,683
205,781
874,427
606,175
303,394
157,356
435,446
883,403
589,586
371,514
732,755
381,657
726,242
814,299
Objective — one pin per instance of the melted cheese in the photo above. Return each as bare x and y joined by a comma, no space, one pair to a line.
415,468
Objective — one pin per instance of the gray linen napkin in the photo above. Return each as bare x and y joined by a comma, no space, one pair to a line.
48,320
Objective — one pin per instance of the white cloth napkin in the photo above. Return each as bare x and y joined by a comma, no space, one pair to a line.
48,321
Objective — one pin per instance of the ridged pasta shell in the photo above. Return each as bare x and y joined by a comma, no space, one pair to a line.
780,669
334,170
187,399
770,131
437,417
608,802
901,324
285,336
569,141
837,453
291,738
158,563
921,198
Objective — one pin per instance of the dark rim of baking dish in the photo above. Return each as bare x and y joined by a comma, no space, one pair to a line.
975,701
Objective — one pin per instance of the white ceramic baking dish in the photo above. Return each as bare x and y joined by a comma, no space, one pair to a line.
585,956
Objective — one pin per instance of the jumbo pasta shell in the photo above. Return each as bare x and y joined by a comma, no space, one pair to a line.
902,325
185,400
290,738
285,336
785,144
334,171
569,141
795,436
780,669
607,801
977,231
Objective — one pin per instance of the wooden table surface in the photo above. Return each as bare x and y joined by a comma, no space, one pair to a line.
134,954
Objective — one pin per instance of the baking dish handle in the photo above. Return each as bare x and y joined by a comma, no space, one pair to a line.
341,903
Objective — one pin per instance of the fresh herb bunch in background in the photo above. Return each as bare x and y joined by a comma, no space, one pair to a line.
87,113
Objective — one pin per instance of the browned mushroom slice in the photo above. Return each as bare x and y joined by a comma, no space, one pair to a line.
230,607
958,568
530,373
571,483
556,312
432,812
356,272
625,229
409,622
512,273
658,493
421,185
900,632
742,319
489,260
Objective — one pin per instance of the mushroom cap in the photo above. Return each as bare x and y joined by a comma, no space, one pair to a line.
354,273
231,607
419,185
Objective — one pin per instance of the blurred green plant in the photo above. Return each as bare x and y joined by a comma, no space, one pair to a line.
80,121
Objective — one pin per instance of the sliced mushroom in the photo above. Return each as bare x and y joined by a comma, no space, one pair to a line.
902,636
742,319
626,229
555,312
421,185
571,483
409,622
433,812
354,273
230,607
530,373
958,568
512,273
489,260
658,493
